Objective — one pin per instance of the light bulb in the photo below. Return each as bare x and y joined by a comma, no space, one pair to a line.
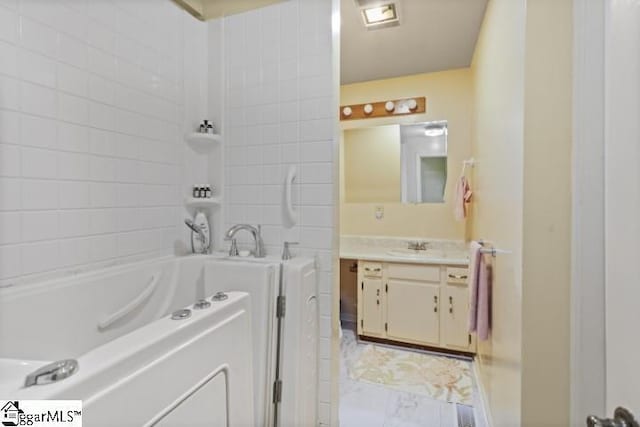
390,106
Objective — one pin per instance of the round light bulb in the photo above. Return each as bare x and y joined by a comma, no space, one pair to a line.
368,109
390,106
412,104
346,111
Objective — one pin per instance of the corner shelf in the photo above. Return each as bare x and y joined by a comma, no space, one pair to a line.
203,142
193,202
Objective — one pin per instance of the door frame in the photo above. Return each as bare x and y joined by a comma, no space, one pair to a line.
588,214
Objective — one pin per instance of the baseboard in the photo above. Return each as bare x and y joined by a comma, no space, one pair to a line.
425,348
484,412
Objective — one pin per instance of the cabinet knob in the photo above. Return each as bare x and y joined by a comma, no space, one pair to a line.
458,276
435,304
451,305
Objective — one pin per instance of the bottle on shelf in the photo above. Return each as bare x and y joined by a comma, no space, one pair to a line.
202,191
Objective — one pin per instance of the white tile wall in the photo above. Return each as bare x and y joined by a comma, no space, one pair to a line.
279,112
92,115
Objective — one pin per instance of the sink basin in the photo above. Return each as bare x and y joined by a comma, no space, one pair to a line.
410,253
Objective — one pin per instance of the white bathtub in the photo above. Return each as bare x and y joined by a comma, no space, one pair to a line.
136,368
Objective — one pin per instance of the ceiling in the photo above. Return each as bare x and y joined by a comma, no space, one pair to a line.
217,8
210,9
433,35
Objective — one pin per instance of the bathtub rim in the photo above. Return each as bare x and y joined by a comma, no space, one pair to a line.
133,348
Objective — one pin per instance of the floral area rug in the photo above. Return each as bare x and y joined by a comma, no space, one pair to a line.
438,377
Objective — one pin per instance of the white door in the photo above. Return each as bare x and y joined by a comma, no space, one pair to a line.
622,204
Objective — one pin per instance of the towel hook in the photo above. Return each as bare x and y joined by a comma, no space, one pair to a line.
469,162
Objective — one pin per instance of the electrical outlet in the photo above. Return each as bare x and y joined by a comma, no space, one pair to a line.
379,212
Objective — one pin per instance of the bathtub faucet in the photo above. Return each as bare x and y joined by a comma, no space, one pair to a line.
258,252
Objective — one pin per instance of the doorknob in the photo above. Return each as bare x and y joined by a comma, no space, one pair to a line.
621,418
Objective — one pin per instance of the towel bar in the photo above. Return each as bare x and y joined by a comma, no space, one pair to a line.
491,251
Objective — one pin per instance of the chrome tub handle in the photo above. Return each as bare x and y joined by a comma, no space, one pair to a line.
52,372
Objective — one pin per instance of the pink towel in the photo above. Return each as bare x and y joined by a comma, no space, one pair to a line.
480,283
463,196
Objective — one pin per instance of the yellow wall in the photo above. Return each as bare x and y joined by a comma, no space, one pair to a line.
373,156
498,80
522,141
448,98
547,213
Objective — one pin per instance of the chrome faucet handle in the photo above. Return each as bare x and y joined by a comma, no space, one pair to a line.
286,254
233,250
52,372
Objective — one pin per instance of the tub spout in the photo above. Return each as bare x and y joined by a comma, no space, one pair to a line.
258,252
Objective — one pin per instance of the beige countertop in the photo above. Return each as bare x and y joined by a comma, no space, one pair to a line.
447,252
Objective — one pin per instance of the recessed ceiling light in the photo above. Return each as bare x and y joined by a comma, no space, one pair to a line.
380,16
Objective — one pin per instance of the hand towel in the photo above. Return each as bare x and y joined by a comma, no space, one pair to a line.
484,300
463,196
480,284
474,273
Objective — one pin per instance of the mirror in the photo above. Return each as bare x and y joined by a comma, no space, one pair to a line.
396,163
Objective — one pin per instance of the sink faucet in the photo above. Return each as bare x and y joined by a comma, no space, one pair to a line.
258,252
201,236
417,246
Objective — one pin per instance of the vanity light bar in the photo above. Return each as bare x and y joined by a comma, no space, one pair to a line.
384,109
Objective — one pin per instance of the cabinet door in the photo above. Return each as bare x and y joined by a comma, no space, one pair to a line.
455,316
371,318
413,312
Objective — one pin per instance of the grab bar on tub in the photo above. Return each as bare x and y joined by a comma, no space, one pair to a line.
135,303
290,214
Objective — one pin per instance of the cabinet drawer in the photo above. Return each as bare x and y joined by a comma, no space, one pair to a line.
372,269
457,275
425,273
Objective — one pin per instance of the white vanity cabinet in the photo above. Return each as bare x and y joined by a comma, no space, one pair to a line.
414,303
371,308
410,316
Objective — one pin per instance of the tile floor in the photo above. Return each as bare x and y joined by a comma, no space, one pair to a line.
363,404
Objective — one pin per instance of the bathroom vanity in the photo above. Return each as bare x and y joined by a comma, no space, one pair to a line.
415,297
